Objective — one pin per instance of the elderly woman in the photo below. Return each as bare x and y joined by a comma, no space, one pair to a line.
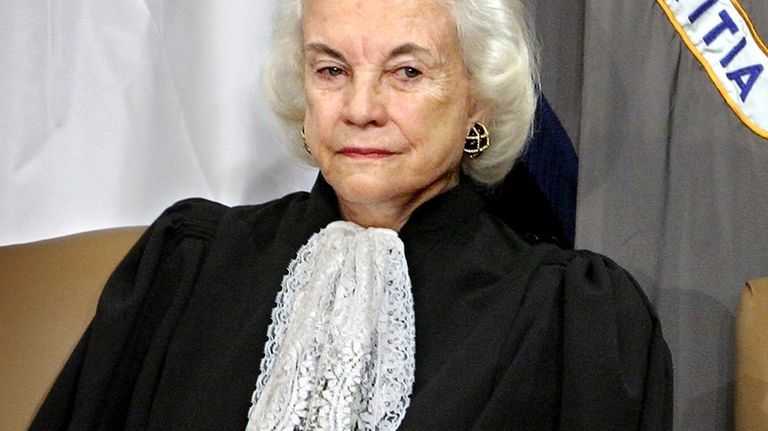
405,305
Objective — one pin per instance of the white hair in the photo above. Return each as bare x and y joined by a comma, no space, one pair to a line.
499,54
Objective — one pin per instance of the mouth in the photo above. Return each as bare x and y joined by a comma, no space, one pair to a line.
366,153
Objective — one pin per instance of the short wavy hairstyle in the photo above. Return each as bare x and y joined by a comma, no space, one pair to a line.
500,56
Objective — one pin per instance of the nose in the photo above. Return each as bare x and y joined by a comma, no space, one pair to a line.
364,104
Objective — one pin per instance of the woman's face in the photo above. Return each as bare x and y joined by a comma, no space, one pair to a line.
389,100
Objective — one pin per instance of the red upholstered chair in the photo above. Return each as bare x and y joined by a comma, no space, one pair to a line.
48,294
751,374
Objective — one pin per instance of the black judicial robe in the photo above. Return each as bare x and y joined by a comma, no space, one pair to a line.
509,336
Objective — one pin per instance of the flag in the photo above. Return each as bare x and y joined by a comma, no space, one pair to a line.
673,181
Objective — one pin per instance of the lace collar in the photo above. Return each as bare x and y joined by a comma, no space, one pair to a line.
341,346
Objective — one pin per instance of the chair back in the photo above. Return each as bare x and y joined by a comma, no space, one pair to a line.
48,295
751,374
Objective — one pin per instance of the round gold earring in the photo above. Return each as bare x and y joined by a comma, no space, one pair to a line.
478,140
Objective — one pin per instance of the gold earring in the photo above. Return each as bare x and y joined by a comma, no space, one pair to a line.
478,140
304,140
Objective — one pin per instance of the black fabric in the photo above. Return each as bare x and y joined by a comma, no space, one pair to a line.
553,166
519,203
509,335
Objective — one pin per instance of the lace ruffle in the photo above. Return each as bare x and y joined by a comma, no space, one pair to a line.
340,349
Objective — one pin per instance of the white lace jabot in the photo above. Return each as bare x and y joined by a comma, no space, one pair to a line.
340,353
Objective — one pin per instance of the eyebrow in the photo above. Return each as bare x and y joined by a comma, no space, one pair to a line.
321,48
409,48
404,49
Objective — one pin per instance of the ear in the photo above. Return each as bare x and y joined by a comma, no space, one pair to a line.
479,112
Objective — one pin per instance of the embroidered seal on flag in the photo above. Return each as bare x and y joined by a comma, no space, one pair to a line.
723,39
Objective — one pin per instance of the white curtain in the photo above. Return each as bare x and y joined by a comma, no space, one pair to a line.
111,110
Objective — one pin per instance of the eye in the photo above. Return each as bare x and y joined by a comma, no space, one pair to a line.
408,72
331,71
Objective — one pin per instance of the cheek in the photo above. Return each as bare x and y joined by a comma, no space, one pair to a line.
314,103
437,123
321,111
444,104
419,112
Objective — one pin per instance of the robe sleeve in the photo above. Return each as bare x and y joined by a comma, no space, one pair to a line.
585,352
108,380
617,369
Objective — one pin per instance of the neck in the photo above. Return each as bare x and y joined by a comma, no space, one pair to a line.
393,213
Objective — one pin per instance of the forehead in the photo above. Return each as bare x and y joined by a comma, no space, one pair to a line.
379,24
